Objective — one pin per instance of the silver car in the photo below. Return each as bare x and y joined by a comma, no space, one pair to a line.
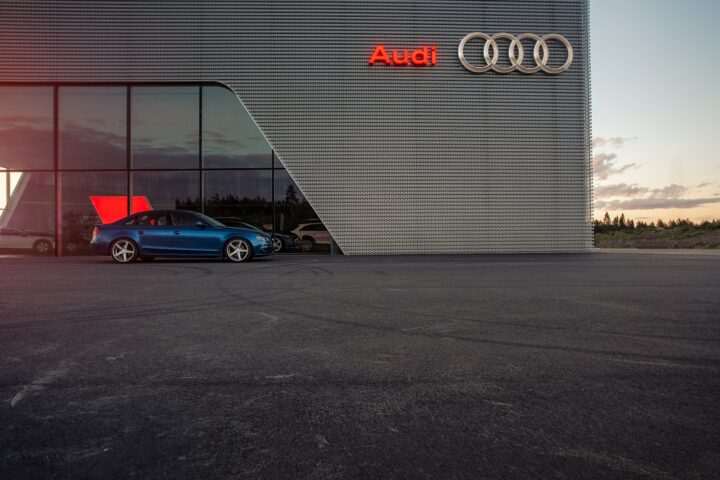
16,239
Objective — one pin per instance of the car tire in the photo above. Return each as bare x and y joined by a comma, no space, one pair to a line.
307,244
124,250
42,247
278,245
71,247
238,250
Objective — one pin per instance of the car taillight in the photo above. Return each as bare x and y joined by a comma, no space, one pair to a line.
96,232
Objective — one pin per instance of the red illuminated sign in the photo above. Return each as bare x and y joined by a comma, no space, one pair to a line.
422,57
114,207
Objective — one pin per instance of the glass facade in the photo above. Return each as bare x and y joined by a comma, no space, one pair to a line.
92,128
165,127
26,128
230,137
72,156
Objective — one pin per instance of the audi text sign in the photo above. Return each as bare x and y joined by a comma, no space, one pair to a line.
427,55
424,56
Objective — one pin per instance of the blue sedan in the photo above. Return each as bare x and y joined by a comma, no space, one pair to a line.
177,233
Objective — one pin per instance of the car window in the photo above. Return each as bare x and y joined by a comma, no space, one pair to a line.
209,220
316,227
184,219
249,226
157,219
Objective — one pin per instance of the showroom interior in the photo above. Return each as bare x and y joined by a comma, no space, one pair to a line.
68,152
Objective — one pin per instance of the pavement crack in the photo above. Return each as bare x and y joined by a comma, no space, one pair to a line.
41,382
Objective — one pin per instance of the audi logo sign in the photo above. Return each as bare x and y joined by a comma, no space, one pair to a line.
427,56
491,52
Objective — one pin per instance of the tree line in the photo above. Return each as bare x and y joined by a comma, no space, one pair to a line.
622,223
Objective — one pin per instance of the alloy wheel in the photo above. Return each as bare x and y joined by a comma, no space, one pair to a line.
123,251
277,244
237,250
307,245
42,247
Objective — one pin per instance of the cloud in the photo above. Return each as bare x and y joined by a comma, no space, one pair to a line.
604,166
619,190
671,191
624,190
622,196
655,203
605,162
615,142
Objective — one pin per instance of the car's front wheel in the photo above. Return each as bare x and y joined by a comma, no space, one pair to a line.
238,250
42,247
124,250
308,244
277,245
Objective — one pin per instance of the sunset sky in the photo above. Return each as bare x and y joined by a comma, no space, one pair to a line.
656,108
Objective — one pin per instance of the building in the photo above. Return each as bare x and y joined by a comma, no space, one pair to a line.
376,117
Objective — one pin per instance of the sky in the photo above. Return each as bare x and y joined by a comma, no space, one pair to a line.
656,108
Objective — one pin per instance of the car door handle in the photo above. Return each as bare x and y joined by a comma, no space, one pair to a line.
177,232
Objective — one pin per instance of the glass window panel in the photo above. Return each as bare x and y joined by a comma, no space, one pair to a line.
79,213
276,162
168,190
93,125
152,219
26,128
230,137
27,215
184,219
237,196
165,127
295,216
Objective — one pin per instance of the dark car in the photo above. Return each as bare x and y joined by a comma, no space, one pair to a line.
177,233
281,242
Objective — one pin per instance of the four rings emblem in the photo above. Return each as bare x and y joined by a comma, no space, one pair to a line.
491,52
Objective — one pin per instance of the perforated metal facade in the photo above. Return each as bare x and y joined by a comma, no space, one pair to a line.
393,159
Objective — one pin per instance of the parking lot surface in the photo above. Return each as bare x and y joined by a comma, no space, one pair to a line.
558,366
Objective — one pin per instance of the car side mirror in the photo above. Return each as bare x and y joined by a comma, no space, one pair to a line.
200,224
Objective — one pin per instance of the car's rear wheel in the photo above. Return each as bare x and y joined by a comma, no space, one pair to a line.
42,247
308,244
238,250
277,245
124,250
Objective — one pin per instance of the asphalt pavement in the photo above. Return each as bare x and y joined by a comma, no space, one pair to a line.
604,365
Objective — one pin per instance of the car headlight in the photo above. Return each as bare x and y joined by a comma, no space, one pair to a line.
261,238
